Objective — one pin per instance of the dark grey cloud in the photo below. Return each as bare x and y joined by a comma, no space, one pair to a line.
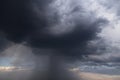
4,43
64,27
28,21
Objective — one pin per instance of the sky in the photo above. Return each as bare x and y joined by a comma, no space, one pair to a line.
5,61
48,34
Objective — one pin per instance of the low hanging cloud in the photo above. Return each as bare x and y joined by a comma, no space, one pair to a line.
58,25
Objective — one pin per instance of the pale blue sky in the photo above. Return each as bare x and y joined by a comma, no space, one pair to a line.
5,61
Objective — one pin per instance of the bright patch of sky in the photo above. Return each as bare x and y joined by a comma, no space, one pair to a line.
5,61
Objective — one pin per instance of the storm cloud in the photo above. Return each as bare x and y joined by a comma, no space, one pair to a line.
50,24
59,29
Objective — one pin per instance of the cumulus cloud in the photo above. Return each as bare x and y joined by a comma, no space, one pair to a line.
106,47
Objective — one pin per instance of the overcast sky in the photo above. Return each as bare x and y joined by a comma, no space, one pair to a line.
33,31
